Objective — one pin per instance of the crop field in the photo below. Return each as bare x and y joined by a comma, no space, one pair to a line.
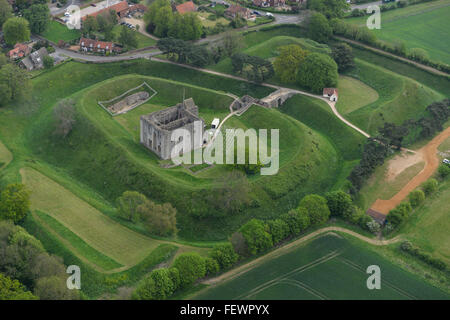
400,98
423,26
57,31
328,267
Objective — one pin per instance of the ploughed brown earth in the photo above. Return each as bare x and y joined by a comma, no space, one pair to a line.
432,161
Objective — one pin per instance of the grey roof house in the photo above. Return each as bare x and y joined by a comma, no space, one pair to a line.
35,60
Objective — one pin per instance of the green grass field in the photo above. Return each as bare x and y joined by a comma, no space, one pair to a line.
5,156
353,94
400,98
328,267
57,31
423,26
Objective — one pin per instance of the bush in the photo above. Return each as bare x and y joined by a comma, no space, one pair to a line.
338,202
444,171
416,198
398,215
279,230
429,186
297,221
225,255
212,266
257,238
316,207
191,267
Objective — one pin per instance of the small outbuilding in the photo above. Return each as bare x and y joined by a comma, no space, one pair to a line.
215,123
331,93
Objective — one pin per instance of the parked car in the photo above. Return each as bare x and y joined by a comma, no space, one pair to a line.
268,14
446,161
67,14
93,5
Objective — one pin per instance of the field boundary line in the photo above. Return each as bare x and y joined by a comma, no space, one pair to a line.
389,284
300,269
284,249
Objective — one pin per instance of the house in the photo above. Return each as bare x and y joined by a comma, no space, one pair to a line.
236,11
184,7
122,9
269,3
35,60
90,45
138,8
331,93
20,50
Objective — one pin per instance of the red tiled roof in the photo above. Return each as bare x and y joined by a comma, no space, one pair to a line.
90,43
139,6
20,49
330,91
185,7
118,8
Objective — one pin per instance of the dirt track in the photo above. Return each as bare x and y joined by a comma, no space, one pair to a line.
244,268
429,153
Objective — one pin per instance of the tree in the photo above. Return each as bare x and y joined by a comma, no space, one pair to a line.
157,286
5,94
429,186
416,198
54,288
343,55
317,72
278,229
16,30
13,290
159,219
232,42
288,61
48,62
38,15
338,202
330,8
225,255
444,171
128,204
239,244
317,208
191,267
14,202
17,81
64,114
297,220
89,25
233,192
319,29
128,38
5,11
257,238
394,134
211,266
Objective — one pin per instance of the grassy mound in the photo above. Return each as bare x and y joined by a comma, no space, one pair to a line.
102,152
353,94
400,98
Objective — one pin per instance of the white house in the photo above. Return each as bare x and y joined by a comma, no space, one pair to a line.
331,93
215,123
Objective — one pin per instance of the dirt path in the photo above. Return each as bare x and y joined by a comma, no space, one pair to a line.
417,64
282,250
429,153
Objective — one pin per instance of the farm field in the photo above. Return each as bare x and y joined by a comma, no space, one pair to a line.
57,31
327,267
419,26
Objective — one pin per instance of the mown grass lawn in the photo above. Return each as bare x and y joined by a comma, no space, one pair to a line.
425,26
143,40
5,156
57,31
353,94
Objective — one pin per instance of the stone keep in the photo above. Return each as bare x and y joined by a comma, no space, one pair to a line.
157,127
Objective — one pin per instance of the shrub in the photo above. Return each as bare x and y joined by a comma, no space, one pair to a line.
316,207
444,171
225,255
297,220
191,267
416,198
429,186
212,266
338,202
279,230
257,238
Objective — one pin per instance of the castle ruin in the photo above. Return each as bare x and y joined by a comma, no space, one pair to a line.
157,127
